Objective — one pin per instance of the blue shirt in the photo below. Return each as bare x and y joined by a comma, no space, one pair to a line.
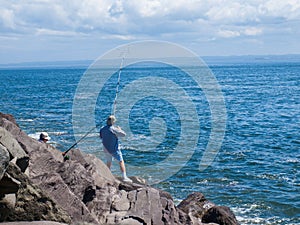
109,135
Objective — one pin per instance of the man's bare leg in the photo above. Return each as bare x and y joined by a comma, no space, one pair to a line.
123,170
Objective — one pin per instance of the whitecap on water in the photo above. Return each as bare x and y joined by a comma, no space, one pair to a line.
25,120
292,160
35,135
58,133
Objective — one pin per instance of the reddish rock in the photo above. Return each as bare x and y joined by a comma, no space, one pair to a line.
32,203
8,117
221,215
27,143
195,204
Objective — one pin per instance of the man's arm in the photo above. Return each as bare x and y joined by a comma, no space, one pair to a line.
118,131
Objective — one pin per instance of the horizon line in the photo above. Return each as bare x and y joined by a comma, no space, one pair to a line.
87,62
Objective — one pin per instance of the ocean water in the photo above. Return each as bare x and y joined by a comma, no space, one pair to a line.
256,170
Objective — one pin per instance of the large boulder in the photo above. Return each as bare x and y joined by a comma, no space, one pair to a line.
31,202
221,215
11,144
8,117
48,172
27,143
14,149
195,204
20,199
8,184
4,160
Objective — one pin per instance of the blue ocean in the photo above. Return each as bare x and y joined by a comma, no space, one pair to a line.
256,170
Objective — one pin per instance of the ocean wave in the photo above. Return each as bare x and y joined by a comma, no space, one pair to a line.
58,133
250,215
26,120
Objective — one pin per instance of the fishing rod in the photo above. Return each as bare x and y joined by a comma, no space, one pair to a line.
65,152
117,88
113,112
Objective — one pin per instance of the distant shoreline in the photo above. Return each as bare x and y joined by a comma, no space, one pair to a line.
210,60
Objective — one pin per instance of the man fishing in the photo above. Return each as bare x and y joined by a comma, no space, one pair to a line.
109,135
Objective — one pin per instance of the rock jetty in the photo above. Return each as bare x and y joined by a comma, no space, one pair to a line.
37,186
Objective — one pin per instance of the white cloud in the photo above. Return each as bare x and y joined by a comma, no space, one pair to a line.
148,8
143,16
7,19
228,33
253,31
43,31
287,10
182,21
232,13
120,37
248,31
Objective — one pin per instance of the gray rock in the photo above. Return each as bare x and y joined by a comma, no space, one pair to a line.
10,143
221,215
49,173
33,223
99,171
6,206
11,200
61,194
131,221
198,206
120,202
32,203
27,143
8,117
195,204
9,185
4,160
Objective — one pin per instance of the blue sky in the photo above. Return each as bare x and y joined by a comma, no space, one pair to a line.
55,30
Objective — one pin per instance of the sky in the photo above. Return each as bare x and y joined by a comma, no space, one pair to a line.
56,30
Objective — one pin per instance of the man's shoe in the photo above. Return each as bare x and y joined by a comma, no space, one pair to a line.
126,179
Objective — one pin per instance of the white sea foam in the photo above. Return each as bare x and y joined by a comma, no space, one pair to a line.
58,133
35,135
25,120
292,160
248,215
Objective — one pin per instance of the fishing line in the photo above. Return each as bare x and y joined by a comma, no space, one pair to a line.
113,110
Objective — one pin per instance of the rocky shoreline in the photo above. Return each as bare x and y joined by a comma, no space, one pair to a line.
37,186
